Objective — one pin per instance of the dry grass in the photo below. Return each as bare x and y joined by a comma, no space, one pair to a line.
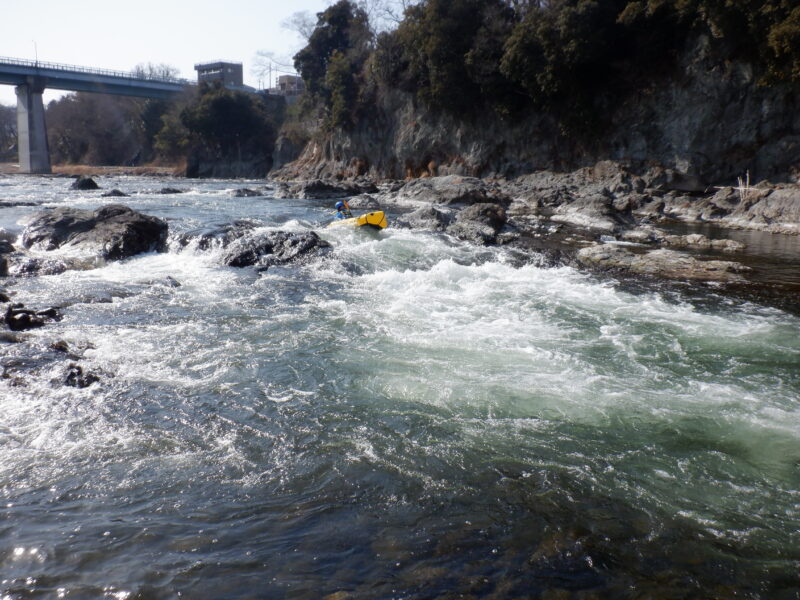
746,192
74,170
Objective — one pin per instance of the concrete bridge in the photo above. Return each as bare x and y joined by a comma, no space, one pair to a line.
31,78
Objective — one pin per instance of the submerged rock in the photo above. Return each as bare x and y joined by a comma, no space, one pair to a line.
84,183
170,190
219,236
273,248
113,231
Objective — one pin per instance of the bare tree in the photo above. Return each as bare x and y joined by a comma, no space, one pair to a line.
267,65
302,23
156,71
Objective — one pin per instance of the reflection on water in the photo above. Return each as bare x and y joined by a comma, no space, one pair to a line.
409,418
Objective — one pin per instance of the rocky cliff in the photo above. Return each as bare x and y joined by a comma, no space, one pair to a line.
706,123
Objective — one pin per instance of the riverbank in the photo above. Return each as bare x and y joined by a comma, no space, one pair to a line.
108,171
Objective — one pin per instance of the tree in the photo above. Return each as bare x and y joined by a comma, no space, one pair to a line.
342,28
8,131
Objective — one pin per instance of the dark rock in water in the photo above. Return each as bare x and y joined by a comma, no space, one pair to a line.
274,248
62,347
218,236
6,247
76,378
115,193
19,318
479,223
170,190
170,281
5,204
113,231
246,193
4,297
84,183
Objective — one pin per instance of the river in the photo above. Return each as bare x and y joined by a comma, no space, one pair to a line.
410,417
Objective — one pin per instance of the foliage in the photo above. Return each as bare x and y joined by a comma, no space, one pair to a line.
567,58
8,131
228,124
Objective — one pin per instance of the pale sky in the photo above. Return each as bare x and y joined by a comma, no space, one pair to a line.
120,35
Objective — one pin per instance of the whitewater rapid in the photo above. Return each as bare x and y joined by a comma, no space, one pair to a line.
403,418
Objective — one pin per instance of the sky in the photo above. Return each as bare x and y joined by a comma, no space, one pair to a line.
116,35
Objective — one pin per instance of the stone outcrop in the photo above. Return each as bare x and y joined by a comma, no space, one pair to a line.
662,263
271,248
479,223
111,232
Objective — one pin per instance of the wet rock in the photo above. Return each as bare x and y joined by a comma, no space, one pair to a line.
450,189
26,266
19,318
115,193
170,190
217,236
594,212
246,193
427,217
364,202
669,264
479,223
76,378
699,241
4,297
271,248
113,231
62,347
319,189
84,183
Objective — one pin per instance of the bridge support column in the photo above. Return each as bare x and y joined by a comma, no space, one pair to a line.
34,153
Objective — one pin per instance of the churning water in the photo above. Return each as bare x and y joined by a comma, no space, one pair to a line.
410,417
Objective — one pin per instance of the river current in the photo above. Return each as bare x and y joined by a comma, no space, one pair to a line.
408,417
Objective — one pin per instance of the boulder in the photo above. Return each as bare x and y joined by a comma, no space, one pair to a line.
219,236
596,212
270,248
19,318
170,190
246,193
479,223
113,231
84,183
75,377
427,217
115,193
449,189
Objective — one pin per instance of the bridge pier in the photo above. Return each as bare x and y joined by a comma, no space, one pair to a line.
34,152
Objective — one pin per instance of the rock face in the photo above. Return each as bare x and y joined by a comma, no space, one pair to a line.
113,231
267,249
710,121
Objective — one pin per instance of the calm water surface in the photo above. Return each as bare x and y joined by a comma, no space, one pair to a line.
411,417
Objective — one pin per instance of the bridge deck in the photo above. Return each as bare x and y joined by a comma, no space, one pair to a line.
57,76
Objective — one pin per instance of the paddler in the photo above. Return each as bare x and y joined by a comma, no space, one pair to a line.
343,210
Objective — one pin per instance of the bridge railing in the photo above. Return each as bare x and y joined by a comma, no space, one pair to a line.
37,64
